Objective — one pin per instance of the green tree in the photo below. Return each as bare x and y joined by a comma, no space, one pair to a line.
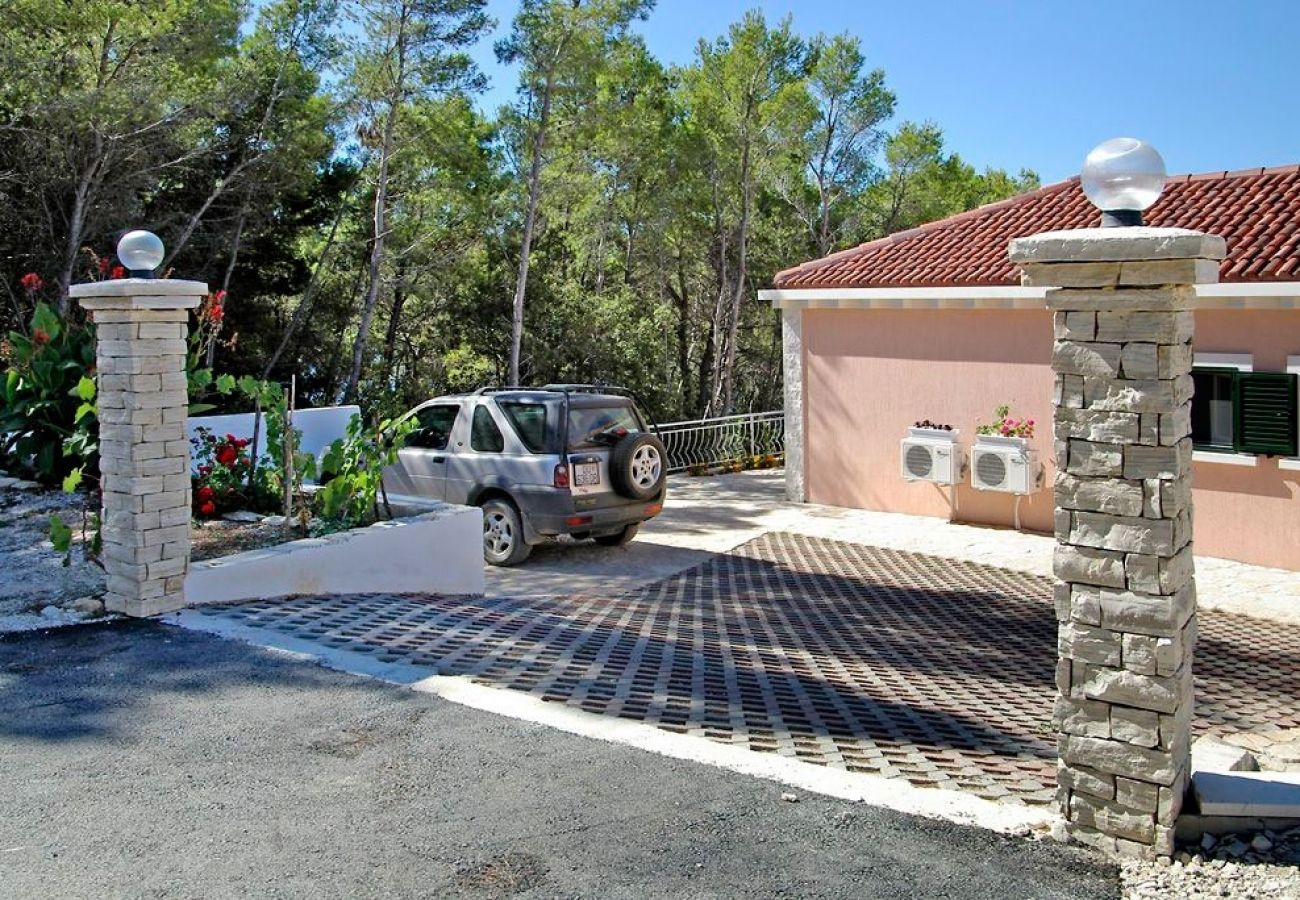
558,44
410,50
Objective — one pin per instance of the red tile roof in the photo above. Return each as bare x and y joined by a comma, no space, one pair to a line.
1257,211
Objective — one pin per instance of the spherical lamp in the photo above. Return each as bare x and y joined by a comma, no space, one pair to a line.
1122,177
141,252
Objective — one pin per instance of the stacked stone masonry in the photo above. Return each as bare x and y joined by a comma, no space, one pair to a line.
1126,598
144,451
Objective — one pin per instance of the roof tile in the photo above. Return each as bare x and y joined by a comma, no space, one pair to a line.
1254,210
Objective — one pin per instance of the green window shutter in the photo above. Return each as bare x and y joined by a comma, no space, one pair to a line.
1266,413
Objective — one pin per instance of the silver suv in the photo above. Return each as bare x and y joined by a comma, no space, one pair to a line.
541,462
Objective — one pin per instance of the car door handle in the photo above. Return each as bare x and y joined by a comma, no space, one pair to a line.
440,459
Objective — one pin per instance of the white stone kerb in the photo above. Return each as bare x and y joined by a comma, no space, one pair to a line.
1117,245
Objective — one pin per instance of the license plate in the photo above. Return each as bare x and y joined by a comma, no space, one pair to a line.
586,474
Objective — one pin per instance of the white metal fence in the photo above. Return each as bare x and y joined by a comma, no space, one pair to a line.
726,439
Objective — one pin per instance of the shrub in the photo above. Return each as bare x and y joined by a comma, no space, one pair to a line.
47,413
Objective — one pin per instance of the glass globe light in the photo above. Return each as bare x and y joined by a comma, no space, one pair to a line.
141,252
1122,177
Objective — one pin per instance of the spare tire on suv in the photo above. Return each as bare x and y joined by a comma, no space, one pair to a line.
638,465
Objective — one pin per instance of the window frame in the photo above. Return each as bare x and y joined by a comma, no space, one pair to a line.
1292,463
451,431
1238,363
486,409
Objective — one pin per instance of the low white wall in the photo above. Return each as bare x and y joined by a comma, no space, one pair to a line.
439,552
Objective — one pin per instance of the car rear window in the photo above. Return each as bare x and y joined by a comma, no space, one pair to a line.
588,424
529,420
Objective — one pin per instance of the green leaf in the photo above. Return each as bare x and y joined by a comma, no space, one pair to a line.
198,409
201,378
72,481
225,384
85,409
47,320
60,535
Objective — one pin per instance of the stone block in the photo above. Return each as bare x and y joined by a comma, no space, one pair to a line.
1176,495
1075,326
1095,459
1086,358
1159,574
1162,463
1112,819
1140,361
1137,795
1070,275
1149,429
1134,726
1174,360
167,500
1159,767
175,331
164,535
1085,565
1086,717
1096,426
1130,534
1089,781
1176,426
1120,686
144,606
1069,391
1143,242
1106,495
1063,523
174,565
1139,273
1161,299
1061,601
1090,644
1158,615
1175,728
1124,326
1063,674
1137,395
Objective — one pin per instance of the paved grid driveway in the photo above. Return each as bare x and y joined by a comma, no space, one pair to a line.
936,671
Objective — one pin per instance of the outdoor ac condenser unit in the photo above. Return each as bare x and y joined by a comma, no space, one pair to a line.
935,457
1010,468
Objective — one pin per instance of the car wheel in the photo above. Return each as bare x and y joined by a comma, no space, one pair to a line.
503,534
619,538
638,465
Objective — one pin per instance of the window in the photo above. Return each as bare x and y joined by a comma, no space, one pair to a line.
529,421
484,435
1235,411
433,427
588,427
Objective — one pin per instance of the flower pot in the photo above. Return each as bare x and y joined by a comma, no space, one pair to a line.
935,434
997,440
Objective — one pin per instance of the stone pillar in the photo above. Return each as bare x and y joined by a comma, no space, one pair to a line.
1122,300
144,452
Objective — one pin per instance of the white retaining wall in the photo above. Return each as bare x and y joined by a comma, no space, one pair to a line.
439,552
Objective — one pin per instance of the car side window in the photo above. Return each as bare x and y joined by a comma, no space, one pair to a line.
433,427
484,435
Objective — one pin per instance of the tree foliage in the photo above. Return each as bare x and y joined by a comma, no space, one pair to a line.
381,236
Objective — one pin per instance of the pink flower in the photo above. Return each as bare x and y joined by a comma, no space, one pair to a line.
31,282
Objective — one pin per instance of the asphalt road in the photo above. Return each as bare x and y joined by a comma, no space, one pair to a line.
142,760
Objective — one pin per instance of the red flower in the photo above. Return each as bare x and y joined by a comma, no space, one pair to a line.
205,493
230,439
31,282
104,263
117,272
242,443
39,337
205,471
208,508
227,455
217,307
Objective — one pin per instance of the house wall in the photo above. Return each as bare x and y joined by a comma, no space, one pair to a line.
870,373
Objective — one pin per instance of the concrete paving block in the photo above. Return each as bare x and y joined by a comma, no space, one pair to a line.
1210,755
1256,794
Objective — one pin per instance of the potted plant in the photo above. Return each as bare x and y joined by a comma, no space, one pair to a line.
934,431
1005,430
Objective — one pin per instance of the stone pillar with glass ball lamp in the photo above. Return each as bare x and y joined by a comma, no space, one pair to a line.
1122,297
141,324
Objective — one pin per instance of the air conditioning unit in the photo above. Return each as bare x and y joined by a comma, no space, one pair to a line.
1003,464
931,454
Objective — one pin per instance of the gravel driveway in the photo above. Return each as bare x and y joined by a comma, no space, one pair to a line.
144,760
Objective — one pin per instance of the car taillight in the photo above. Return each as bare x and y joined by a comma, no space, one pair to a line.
561,476
575,521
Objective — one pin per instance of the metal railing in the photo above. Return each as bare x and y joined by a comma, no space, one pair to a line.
723,440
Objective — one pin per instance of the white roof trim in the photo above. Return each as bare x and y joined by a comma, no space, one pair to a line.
1256,295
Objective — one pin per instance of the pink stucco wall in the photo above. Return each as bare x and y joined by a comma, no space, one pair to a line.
869,374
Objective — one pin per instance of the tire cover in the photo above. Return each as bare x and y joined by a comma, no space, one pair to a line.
620,466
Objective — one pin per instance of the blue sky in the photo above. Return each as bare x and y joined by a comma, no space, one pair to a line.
1038,84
